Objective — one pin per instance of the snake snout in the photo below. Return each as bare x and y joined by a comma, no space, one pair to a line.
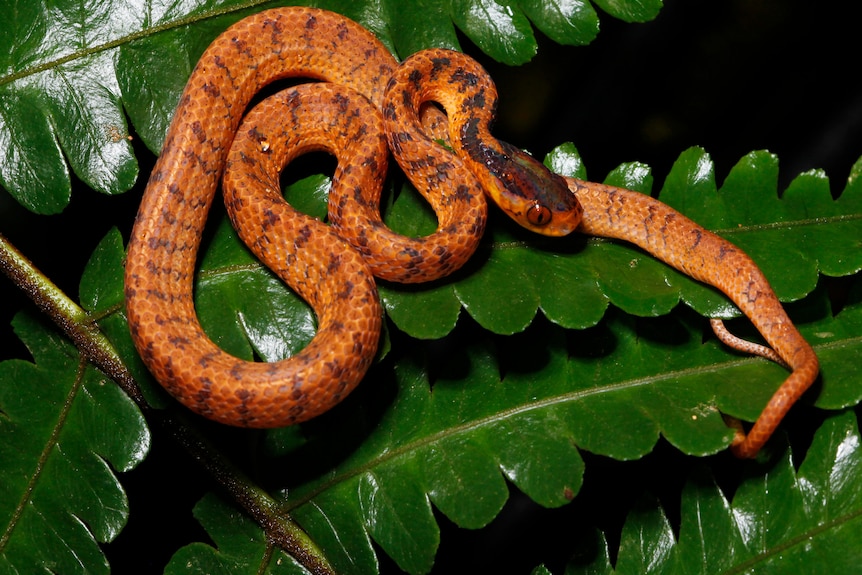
534,196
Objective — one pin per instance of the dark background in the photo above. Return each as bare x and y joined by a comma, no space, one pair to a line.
728,75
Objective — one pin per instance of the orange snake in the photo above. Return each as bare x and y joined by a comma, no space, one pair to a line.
342,115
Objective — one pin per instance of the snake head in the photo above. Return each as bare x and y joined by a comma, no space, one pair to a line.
530,193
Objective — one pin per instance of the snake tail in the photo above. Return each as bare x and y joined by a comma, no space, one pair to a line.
671,237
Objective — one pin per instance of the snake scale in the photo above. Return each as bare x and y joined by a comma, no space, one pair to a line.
366,106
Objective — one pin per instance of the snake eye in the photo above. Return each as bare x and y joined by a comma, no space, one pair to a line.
538,215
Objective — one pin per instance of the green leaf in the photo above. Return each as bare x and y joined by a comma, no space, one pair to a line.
150,99
72,72
65,431
446,426
779,520
801,230
101,294
631,11
267,319
498,27
547,405
22,132
101,287
609,390
502,291
419,25
564,22
60,93
241,545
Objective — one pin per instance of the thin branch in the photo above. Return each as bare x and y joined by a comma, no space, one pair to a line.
69,317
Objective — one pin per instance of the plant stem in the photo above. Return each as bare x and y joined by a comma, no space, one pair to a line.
69,317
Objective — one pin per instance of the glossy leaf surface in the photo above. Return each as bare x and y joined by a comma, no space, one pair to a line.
481,395
779,521
610,390
71,70
66,431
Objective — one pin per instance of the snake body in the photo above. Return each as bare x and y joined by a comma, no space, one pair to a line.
367,105
658,229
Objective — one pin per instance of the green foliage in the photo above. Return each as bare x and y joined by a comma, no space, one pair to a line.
118,62
66,429
563,346
780,520
777,521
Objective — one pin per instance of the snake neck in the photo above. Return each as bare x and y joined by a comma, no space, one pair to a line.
522,187
534,196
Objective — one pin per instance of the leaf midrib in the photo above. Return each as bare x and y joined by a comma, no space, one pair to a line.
126,39
466,427
543,403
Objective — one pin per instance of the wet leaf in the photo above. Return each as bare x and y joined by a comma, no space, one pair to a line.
779,521
66,430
